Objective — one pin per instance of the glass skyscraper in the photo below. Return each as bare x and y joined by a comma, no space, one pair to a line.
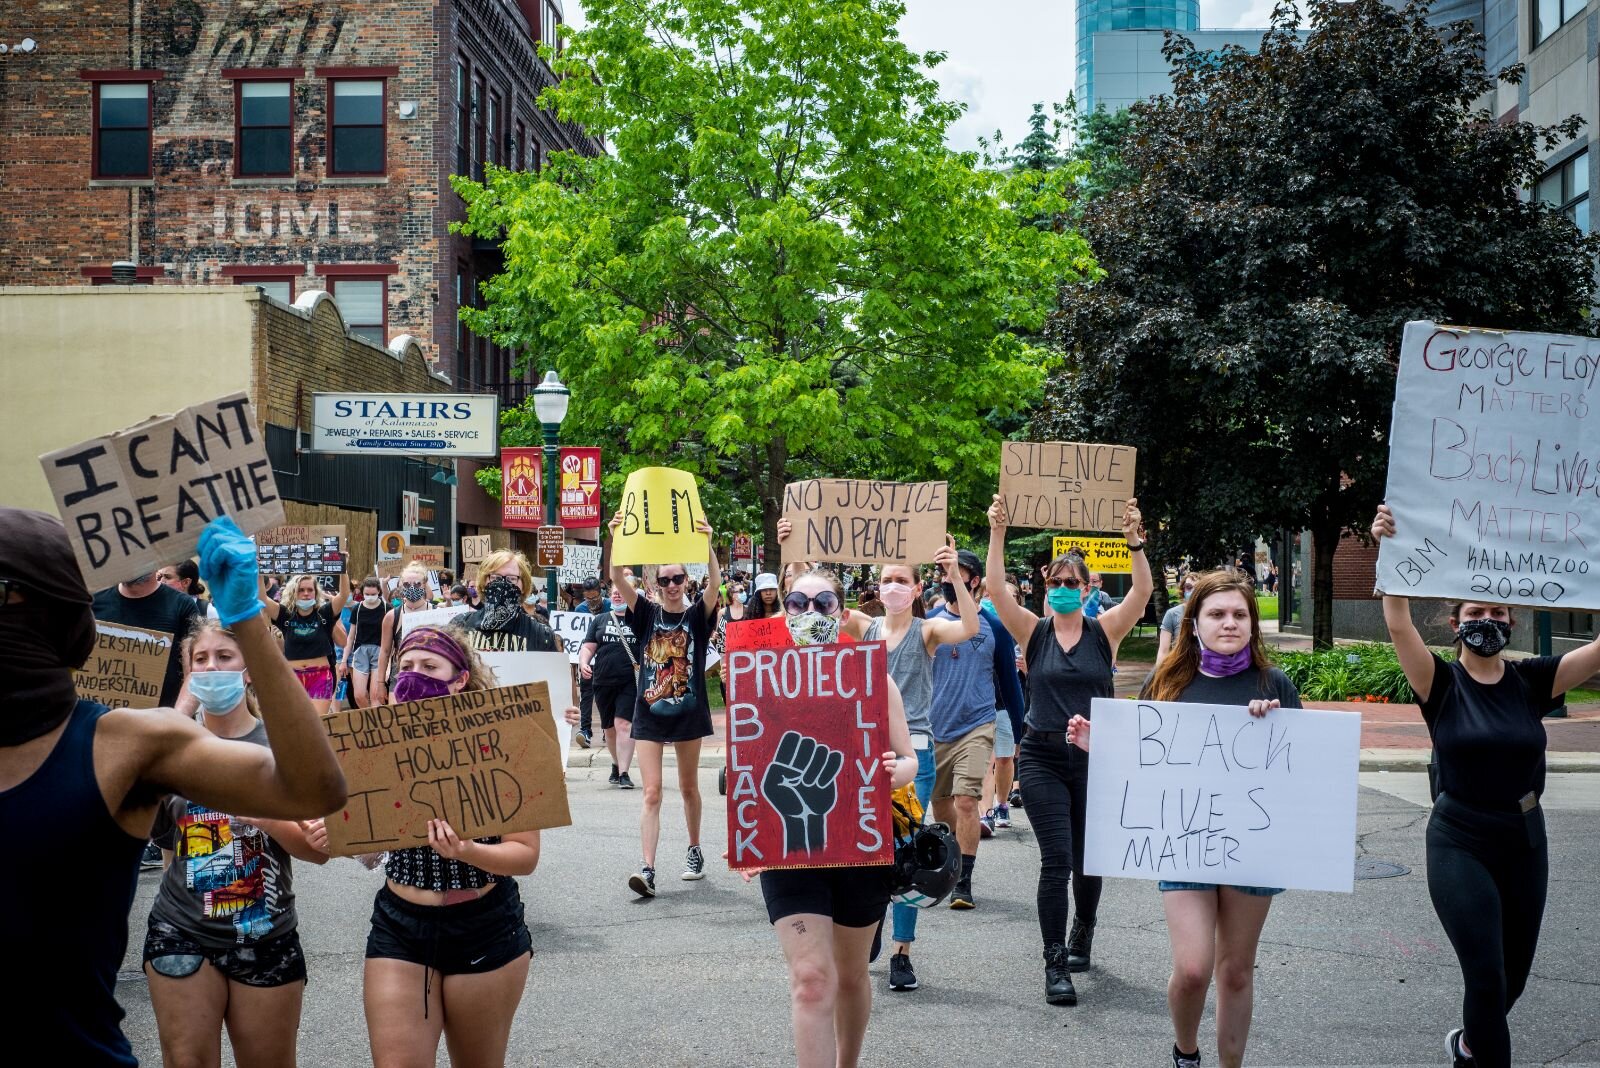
1097,16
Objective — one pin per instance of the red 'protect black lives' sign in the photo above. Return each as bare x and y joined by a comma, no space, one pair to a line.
807,730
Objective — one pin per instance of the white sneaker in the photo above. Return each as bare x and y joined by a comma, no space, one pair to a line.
694,865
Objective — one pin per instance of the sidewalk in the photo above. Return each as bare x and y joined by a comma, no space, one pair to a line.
1393,737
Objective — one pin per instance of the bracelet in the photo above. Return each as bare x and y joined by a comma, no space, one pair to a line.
1132,548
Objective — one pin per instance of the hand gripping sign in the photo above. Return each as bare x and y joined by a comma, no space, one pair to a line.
807,728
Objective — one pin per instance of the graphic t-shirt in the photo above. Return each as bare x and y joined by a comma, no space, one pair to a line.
228,882
165,610
616,650
523,634
306,637
672,704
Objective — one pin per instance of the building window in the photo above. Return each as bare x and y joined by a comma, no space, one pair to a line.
277,282
264,142
463,121
479,147
549,27
535,155
1566,187
463,337
356,127
493,123
122,130
518,147
1550,15
363,298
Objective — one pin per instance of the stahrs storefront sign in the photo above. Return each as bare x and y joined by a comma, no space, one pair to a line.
380,424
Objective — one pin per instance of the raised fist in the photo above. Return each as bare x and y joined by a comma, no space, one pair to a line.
800,784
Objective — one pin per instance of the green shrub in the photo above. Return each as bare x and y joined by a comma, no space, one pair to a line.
1363,671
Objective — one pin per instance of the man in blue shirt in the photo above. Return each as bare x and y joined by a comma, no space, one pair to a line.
969,679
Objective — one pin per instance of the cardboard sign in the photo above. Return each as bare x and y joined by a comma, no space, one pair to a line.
1210,794
301,550
432,557
1494,469
387,569
854,522
127,667
475,548
580,488
1109,556
661,516
137,499
392,545
521,489
1066,485
551,669
485,761
469,575
572,628
549,546
582,562
807,729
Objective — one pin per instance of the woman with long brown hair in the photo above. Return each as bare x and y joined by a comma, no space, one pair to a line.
1217,659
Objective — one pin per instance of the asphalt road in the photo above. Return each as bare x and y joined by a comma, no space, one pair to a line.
695,978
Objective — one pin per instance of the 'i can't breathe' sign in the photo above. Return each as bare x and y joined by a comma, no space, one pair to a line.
807,729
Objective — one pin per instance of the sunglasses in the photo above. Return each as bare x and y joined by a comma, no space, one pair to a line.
672,580
7,588
826,602
1057,583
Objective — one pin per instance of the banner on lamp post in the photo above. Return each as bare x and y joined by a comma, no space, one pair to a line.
580,487
522,489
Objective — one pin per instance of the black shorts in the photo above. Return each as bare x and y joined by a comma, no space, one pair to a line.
474,936
852,897
615,701
276,961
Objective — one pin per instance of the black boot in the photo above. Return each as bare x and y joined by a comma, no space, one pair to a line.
1079,944
1058,989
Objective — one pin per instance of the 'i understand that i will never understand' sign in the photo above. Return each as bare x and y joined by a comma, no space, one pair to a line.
1210,794
1494,469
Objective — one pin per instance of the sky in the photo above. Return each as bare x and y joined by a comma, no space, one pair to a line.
1005,55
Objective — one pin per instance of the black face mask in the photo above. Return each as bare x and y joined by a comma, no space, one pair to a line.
1485,637
949,591
44,641
502,602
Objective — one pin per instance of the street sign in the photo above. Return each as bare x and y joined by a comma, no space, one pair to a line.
384,424
550,546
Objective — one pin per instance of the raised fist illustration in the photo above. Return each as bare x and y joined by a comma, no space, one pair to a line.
800,784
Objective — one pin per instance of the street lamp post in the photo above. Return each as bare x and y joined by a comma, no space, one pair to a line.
550,400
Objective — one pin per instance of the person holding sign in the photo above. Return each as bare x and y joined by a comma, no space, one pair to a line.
309,620
96,776
449,909
1488,859
672,707
827,918
222,942
1219,659
1069,661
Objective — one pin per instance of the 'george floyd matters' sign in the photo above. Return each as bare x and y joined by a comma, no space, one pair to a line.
137,499
1494,468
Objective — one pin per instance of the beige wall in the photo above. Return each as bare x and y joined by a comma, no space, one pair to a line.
76,362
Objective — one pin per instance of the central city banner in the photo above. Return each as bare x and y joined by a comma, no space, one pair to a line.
807,730
486,761
521,489
852,521
1066,485
1494,469
580,487
380,424
1211,794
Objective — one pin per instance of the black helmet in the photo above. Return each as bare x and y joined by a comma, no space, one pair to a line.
926,867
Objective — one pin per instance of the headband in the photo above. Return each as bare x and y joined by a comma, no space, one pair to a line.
434,640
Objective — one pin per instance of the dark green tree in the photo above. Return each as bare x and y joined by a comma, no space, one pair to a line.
1294,209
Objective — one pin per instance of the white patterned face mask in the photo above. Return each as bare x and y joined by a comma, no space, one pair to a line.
813,628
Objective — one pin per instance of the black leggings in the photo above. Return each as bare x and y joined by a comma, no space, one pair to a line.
1488,882
1055,783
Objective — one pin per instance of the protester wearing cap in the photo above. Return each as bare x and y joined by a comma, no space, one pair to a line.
98,802
594,601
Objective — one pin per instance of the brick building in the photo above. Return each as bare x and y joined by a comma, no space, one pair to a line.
288,144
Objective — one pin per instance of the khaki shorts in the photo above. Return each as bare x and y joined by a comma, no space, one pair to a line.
963,763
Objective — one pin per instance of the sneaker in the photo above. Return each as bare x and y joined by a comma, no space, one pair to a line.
623,782
150,859
961,896
901,975
615,780
694,865
1181,1059
1079,943
1015,800
1002,816
584,738
1058,988
1452,1045
986,824
643,882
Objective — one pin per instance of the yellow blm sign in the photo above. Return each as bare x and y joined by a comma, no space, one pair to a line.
1109,556
485,761
1066,485
127,667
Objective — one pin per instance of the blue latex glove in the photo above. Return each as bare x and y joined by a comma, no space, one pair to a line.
229,570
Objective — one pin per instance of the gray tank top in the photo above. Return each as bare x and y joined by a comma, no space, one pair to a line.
911,668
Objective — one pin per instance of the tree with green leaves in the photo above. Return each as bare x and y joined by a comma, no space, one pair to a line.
1293,210
779,269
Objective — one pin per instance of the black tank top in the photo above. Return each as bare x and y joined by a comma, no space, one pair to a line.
1061,684
64,922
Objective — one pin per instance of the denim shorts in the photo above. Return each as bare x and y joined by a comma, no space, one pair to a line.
1005,743
365,659
1253,891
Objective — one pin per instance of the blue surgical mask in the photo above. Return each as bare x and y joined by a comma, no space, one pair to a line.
986,603
1064,599
305,605
218,692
